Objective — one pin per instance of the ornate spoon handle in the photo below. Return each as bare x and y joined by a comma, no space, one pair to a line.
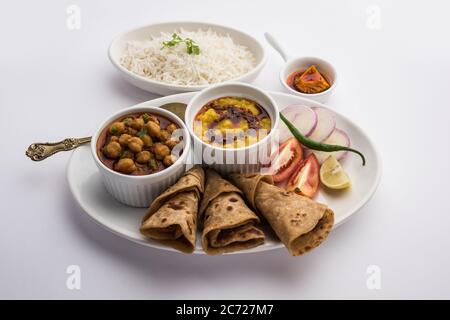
40,151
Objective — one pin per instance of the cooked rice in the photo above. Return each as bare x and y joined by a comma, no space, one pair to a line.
220,59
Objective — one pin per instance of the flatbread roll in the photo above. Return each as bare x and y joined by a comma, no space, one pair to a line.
228,224
301,223
173,215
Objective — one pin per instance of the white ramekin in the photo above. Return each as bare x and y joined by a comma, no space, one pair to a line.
325,68
243,160
139,191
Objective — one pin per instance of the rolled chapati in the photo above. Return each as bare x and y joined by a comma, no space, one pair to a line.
228,224
173,215
301,223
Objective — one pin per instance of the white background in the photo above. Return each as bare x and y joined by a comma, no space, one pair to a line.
58,83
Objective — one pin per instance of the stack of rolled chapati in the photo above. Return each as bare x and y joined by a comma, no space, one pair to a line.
229,224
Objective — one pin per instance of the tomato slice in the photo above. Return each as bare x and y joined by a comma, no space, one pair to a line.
305,180
286,160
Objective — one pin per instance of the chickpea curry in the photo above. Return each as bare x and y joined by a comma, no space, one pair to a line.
232,122
139,144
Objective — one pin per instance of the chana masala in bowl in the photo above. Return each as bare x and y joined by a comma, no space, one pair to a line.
139,144
232,122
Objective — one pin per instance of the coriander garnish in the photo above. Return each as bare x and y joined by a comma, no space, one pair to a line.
145,117
152,163
113,129
127,154
142,132
191,46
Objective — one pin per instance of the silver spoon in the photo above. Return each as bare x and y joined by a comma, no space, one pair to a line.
41,151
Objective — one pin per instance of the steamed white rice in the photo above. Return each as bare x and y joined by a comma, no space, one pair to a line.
220,59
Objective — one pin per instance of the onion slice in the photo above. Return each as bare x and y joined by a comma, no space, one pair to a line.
325,125
338,137
302,117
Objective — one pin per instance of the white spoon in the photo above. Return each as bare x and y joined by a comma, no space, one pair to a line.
277,46
293,64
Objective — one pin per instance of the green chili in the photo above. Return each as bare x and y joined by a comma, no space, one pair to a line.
314,145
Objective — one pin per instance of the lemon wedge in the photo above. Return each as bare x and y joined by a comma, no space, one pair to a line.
333,175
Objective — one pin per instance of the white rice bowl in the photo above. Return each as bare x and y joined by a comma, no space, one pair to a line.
220,58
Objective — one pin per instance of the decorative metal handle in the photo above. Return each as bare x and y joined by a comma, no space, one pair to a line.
40,151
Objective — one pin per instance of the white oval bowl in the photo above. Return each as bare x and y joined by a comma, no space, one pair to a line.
324,67
118,45
242,160
139,191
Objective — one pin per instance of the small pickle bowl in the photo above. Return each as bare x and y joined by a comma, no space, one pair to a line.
325,68
247,159
141,190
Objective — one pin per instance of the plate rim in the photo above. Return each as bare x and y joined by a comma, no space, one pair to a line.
188,95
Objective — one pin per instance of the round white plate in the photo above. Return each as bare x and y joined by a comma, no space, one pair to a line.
88,191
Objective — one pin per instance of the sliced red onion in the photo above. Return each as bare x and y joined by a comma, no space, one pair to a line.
338,137
325,124
303,117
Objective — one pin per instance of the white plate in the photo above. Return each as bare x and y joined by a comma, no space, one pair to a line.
87,188
118,46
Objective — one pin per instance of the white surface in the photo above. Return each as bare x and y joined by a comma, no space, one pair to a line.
86,184
118,46
57,83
